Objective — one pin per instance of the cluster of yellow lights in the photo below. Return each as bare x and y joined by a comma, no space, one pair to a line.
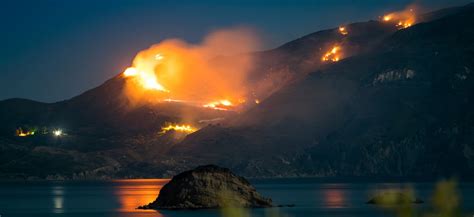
332,55
343,30
21,133
184,128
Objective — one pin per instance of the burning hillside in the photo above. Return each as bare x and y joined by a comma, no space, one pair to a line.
343,30
175,71
401,19
182,128
333,55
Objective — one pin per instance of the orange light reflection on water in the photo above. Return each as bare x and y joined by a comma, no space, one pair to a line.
334,198
133,193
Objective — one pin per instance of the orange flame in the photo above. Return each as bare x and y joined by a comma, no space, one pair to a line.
402,19
332,55
220,104
145,76
193,74
183,128
343,30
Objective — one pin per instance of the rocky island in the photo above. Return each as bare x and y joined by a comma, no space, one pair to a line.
208,187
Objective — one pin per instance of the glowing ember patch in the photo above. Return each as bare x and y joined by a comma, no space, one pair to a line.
184,128
401,19
403,25
219,105
387,18
333,55
226,102
343,30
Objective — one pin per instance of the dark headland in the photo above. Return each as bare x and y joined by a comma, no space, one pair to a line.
208,187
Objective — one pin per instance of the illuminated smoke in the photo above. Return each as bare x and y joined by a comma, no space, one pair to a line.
401,19
212,74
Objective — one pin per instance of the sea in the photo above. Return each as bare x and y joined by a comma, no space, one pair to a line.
307,197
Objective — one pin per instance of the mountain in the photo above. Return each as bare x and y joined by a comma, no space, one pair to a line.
399,103
405,108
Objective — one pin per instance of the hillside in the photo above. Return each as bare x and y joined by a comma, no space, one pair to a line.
398,102
404,108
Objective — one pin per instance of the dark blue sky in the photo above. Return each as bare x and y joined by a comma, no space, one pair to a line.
51,50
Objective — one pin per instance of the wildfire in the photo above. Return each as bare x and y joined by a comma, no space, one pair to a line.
387,18
147,80
195,74
184,128
130,71
403,25
145,76
343,30
401,19
219,105
332,55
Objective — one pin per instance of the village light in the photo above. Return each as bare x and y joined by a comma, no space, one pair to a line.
58,133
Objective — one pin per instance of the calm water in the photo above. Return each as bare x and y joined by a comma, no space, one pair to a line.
120,198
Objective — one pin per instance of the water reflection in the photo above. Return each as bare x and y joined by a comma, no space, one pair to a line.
334,197
58,199
137,192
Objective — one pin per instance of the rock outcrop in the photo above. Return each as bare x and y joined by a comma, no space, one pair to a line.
208,187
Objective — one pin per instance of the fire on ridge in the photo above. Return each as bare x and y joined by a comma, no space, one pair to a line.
333,55
401,19
175,71
343,30
182,128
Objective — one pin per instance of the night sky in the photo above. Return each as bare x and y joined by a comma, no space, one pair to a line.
51,50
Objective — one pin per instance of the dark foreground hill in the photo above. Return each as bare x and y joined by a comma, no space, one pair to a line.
399,104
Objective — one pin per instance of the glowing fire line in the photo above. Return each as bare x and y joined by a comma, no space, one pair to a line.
184,128
332,55
402,20
147,79
219,105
